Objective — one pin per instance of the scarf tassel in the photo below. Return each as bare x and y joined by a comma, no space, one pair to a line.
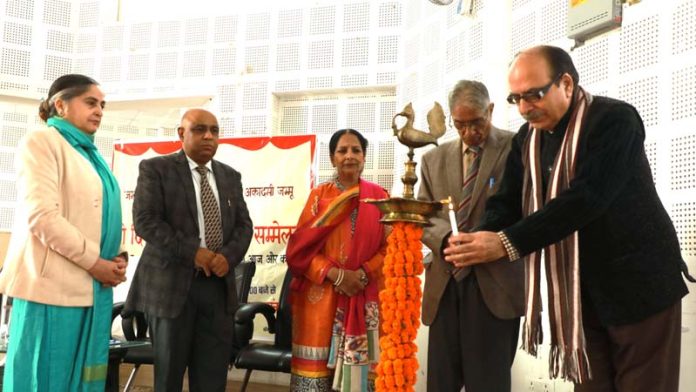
532,336
569,364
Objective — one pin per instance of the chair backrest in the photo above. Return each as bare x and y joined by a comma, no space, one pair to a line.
283,335
243,273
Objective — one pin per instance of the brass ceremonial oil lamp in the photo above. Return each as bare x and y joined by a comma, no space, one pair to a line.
400,301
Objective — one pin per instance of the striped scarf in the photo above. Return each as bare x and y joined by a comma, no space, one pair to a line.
568,357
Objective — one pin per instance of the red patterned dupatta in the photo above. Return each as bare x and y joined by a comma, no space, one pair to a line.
309,239
355,337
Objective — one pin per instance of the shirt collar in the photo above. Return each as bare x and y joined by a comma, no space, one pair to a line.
193,165
465,146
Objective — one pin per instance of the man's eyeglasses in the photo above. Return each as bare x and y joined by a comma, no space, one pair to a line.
477,123
532,95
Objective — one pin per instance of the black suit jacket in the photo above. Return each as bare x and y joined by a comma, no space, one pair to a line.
165,216
630,261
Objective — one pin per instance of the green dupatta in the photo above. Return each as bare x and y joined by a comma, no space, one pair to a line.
99,316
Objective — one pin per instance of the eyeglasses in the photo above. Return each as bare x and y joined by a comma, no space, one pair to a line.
532,95
477,123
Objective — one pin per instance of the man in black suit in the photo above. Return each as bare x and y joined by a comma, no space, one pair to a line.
190,211
578,185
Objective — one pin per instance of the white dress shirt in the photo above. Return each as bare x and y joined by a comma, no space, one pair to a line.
197,188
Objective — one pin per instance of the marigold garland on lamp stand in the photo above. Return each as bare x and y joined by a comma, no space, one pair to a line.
400,301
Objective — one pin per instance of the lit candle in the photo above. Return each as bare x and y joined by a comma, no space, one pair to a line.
452,216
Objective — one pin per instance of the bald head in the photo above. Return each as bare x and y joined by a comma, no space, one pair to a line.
199,132
557,60
543,79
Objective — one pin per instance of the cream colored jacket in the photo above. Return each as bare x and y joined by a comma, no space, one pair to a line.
55,238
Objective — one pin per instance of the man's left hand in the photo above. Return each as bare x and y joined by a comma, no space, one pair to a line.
467,249
219,265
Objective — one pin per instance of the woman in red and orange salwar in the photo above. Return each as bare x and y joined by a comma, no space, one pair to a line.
336,260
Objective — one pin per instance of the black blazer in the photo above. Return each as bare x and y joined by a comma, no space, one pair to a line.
630,260
165,216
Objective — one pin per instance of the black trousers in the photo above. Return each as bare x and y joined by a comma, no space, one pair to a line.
200,338
467,345
639,357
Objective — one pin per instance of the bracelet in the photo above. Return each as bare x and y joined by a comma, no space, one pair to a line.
510,249
363,277
341,275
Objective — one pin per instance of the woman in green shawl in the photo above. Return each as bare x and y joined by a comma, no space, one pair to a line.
63,258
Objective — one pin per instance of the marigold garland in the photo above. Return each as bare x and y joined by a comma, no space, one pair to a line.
400,309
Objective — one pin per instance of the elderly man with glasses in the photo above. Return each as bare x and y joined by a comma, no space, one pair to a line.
473,313
578,186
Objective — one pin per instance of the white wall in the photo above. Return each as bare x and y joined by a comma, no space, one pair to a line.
286,67
650,62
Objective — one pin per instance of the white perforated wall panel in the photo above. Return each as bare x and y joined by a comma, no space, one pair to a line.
17,33
256,59
166,64
684,28
112,38
523,32
254,96
227,98
642,94
638,46
386,78
387,49
356,17
57,13
56,66
355,52
110,69
320,54
684,93
168,34
554,20
196,32
224,61
389,14
287,85
226,29
15,62
294,120
21,9
324,118
592,61
288,56
194,65
89,14
354,80
254,126
86,43
683,165
258,26
319,82
138,66
140,36
361,115
322,20
475,41
290,23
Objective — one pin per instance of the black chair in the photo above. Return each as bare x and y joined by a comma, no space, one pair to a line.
135,325
265,356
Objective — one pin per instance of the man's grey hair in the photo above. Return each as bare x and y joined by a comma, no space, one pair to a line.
471,93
